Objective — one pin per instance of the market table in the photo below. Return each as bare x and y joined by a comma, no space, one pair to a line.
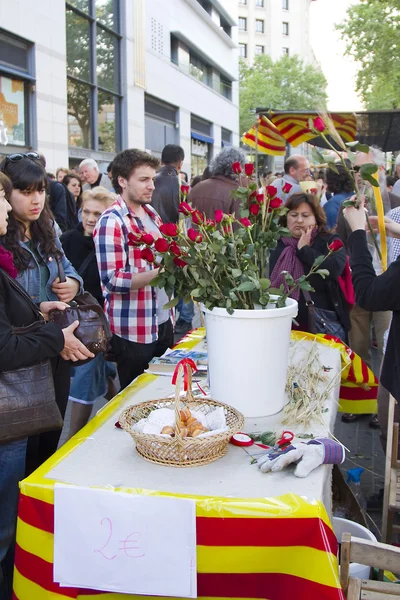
258,535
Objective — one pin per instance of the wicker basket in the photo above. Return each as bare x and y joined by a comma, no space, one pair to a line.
177,451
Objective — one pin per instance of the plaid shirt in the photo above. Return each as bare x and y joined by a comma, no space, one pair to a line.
132,313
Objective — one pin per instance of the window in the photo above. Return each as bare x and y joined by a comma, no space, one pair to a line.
285,51
226,137
242,24
226,88
285,28
93,72
259,26
15,79
259,49
243,50
260,3
200,69
285,4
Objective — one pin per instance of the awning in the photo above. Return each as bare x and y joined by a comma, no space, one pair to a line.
201,137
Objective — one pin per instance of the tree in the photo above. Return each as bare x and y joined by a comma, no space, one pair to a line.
371,31
287,84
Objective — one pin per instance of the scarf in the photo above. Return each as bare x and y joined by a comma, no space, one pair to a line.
289,262
6,263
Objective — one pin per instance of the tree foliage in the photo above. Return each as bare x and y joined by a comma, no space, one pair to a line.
287,84
371,31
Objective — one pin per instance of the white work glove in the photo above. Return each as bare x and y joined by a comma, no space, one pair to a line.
307,456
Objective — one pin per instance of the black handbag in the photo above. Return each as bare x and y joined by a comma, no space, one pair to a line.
323,320
27,397
93,330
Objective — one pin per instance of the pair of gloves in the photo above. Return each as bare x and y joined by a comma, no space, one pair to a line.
321,451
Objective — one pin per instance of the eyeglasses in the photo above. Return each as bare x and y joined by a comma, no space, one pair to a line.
356,169
17,157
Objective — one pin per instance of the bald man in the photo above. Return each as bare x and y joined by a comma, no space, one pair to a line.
296,169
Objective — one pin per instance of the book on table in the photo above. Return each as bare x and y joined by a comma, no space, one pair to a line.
165,365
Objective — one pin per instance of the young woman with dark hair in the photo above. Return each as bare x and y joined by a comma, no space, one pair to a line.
306,221
32,241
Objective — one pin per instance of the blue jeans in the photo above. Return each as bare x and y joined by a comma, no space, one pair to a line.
12,470
186,311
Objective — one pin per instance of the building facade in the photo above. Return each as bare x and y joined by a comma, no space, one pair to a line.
87,78
274,27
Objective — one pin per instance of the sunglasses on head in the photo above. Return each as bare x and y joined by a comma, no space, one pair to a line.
17,157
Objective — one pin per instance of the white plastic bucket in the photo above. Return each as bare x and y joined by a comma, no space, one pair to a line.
341,526
248,357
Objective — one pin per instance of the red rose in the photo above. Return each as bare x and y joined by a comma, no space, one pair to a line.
194,235
253,194
237,167
147,254
169,229
218,215
185,208
275,203
174,248
335,245
197,217
286,187
254,209
185,189
135,238
161,245
249,169
210,223
260,198
271,190
319,124
147,239
179,262
245,222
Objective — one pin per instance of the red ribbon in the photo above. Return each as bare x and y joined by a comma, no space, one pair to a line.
186,364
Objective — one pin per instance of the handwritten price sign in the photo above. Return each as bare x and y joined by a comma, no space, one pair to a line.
117,542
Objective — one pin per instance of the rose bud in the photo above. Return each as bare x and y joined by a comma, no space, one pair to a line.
260,198
161,245
245,222
194,235
286,187
135,238
179,262
185,208
174,248
335,245
218,215
185,189
254,209
147,239
249,169
275,203
237,168
319,124
169,229
271,190
147,254
210,223
197,217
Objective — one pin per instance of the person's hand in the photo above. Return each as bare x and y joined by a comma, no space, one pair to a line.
356,217
73,348
392,228
66,291
46,307
305,238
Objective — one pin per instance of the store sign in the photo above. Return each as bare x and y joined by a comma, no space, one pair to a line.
124,543
199,148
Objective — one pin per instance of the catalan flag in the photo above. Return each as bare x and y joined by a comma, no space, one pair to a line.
281,128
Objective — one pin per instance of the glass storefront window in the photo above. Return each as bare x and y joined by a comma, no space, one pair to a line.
107,57
82,5
79,115
78,61
12,112
106,13
106,122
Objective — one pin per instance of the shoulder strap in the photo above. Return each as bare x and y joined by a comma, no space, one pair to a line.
23,293
82,269
310,310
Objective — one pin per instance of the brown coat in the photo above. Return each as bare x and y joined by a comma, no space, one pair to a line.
215,194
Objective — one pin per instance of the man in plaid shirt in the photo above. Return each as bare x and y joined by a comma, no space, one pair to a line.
142,328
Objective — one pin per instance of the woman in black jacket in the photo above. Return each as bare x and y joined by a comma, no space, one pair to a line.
16,350
89,380
310,239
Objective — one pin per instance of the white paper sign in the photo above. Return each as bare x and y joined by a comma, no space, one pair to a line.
125,543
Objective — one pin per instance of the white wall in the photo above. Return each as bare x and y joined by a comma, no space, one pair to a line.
43,23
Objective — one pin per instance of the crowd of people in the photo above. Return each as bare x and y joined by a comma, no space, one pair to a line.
83,219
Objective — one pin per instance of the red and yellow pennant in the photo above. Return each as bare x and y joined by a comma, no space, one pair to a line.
267,139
